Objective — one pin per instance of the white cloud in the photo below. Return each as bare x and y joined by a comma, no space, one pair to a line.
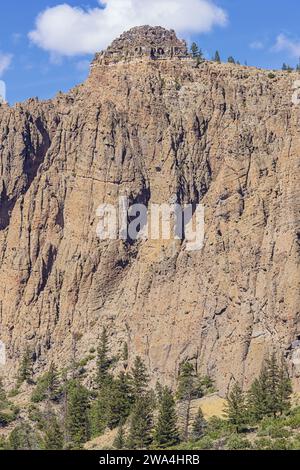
71,31
5,61
257,45
283,43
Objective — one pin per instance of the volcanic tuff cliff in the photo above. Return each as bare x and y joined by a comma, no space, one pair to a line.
222,134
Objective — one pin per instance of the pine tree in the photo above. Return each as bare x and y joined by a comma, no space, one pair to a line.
236,410
194,50
141,424
125,354
120,439
99,413
231,60
187,384
77,413
25,369
273,385
199,426
53,386
284,67
217,57
53,435
258,397
47,387
103,361
24,437
270,394
139,379
166,432
120,401
285,389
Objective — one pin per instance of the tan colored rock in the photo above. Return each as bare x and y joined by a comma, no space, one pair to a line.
223,135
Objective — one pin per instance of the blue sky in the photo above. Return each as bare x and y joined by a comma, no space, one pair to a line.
56,54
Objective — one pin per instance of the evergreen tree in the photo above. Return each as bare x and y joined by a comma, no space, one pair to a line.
24,437
285,389
194,50
53,435
236,410
141,424
159,390
258,397
186,389
284,67
166,432
47,387
25,369
217,57
77,413
120,401
125,353
139,379
103,361
53,386
197,53
272,385
231,60
270,394
99,413
199,426
120,439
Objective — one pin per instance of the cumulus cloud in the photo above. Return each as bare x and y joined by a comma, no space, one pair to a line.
71,31
283,43
5,61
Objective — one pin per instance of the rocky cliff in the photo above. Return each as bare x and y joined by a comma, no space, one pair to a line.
223,135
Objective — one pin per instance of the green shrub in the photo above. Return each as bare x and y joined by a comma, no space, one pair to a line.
282,444
296,443
86,360
263,443
7,417
293,420
277,433
3,443
218,428
273,427
236,442
36,416
271,75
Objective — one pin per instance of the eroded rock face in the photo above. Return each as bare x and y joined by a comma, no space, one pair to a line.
144,41
225,135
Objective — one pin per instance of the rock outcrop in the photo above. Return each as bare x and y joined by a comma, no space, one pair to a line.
223,135
144,41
